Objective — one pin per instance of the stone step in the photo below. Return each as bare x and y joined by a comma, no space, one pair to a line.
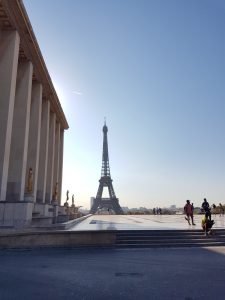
171,241
165,245
171,232
41,221
171,238
35,213
171,235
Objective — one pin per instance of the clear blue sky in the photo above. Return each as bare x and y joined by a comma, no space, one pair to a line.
156,70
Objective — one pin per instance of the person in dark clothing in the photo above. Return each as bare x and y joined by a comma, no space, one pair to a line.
206,209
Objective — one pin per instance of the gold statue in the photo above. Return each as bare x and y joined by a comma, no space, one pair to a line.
73,205
66,204
55,194
30,181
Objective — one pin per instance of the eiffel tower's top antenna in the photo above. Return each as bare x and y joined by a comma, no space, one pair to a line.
105,128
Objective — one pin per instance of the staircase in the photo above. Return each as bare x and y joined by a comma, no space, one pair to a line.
39,220
168,238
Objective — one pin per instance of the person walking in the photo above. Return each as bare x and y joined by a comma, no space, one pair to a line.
188,209
214,209
206,209
221,209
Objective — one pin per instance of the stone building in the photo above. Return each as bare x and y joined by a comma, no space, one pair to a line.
32,125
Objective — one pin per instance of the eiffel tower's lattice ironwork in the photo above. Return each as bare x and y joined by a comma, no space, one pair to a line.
111,203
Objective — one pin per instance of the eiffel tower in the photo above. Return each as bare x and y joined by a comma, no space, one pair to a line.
105,181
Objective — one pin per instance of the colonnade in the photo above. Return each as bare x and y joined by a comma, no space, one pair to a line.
32,122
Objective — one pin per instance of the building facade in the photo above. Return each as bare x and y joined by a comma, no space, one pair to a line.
32,125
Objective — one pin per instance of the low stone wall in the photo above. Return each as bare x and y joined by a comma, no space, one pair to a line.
55,235
71,223
16,214
57,239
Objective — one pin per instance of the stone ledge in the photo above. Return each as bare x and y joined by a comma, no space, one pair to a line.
57,239
61,226
71,223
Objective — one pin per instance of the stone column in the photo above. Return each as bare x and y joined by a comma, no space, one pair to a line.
51,155
60,166
9,52
56,162
43,156
20,132
34,135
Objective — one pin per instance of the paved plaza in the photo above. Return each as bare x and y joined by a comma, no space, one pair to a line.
144,222
112,273
83,274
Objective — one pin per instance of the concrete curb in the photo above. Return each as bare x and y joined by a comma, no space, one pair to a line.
69,224
57,239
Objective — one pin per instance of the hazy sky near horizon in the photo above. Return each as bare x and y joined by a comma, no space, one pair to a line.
156,70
